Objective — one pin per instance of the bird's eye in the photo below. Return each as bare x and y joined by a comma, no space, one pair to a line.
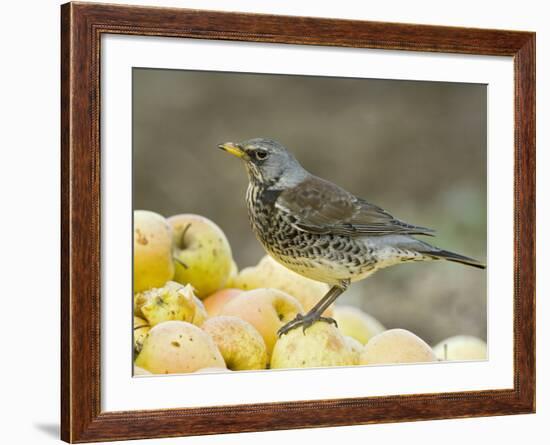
260,155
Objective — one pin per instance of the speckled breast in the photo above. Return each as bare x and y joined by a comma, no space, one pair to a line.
323,257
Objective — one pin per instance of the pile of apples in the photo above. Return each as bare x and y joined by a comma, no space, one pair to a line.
195,312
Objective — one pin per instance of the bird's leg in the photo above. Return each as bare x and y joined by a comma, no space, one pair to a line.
323,304
315,313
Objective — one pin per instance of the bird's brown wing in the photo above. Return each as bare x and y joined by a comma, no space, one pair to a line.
322,207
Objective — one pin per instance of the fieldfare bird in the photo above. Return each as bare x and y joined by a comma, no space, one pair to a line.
320,230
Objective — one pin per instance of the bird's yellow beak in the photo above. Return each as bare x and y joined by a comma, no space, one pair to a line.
233,149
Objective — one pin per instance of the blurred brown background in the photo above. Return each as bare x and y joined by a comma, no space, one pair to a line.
418,149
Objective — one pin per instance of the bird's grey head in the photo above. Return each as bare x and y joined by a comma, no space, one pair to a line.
267,162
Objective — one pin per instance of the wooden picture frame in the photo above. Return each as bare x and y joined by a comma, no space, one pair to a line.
82,26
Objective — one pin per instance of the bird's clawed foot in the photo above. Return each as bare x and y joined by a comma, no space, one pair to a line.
305,321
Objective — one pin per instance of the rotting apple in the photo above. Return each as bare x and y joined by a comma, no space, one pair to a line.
322,344
173,301
175,347
241,345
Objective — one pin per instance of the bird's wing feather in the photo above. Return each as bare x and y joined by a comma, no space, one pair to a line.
322,207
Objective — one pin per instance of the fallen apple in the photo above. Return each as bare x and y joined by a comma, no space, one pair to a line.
356,323
396,346
173,301
461,347
269,273
322,344
216,301
175,347
265,309
153,263
202,253
241,345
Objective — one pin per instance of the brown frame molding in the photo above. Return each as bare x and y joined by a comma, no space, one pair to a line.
82,25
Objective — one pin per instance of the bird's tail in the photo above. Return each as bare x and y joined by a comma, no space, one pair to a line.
414,245
456,258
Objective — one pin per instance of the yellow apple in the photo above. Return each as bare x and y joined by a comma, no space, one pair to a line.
396,346
153,263
141,328
321,344
461,347
269,273
265,309
241,345
173,301
175,347
216,301
202,253
356,323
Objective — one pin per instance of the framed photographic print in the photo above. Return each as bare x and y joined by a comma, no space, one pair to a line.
276,222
